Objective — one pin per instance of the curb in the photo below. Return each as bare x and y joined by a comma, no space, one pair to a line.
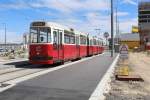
104,86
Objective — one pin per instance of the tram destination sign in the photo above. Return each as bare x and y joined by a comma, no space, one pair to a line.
123,51
38,24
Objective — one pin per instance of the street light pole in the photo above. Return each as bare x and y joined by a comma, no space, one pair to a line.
112,29
117,36
5,38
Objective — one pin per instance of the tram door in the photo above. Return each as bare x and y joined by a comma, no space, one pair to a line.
78,46
57,45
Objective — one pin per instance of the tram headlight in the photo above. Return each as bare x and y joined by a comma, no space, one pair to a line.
38,53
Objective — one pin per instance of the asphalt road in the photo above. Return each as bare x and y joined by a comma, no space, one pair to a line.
75,82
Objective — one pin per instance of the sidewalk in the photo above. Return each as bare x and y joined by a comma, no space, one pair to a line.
139,64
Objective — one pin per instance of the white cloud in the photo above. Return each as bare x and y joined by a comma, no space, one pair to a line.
93,21
133,2
60,5
120,14
96,20
20,4
126,25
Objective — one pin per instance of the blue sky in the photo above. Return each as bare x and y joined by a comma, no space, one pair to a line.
83,15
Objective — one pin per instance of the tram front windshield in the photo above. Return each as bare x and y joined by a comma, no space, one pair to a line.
40,35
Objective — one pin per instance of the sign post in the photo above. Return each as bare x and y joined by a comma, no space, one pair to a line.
124,70
123,52
106,35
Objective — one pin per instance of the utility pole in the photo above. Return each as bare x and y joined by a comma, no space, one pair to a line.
117,35
5,38
117,24
112,29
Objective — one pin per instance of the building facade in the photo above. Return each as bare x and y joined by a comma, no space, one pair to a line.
130,39
144,23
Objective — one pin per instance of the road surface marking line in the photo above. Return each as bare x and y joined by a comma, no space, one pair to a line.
103,86
18,80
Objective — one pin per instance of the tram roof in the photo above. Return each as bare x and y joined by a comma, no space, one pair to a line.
59,26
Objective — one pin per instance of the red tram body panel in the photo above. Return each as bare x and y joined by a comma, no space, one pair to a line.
41,53
83,51
94,50
70,52
90,50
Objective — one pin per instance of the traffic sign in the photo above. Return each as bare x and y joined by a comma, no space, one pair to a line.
123,51
106,34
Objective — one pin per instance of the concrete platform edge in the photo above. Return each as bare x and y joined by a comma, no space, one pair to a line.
104,86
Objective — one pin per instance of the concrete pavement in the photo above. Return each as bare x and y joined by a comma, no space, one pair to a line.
75,82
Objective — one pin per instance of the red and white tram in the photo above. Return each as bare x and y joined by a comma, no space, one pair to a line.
53,43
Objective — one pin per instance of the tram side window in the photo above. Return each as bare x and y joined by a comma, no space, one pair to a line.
34,36
97,42
43,36
101,43
55,36
49,35
72,39
94,42
67,39
83,40
90,42
77,40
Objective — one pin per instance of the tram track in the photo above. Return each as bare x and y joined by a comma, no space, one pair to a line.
10,70
12,73
19,70
6,70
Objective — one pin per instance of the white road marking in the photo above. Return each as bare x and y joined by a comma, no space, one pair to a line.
18,80
103,86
